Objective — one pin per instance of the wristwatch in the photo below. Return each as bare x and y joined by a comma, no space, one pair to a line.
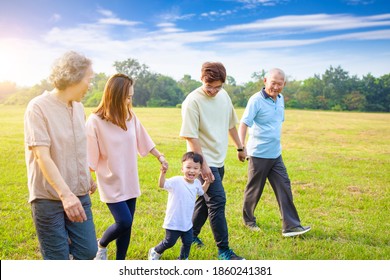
240,149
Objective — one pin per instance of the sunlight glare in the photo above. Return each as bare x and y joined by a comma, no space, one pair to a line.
20,63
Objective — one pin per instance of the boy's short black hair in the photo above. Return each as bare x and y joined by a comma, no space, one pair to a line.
194,156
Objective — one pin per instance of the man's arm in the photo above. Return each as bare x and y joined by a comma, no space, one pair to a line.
242,132
241,155
242,129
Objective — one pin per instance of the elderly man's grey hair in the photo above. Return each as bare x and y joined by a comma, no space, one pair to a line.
277,71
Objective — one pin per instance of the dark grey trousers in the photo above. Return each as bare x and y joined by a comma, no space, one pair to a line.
259,170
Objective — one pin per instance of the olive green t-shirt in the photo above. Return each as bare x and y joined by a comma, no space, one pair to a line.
209,120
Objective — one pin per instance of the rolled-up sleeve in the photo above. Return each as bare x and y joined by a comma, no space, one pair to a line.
190,120
35,127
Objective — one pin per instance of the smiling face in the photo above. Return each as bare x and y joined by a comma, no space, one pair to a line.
212,89
81,88
274,83
191,170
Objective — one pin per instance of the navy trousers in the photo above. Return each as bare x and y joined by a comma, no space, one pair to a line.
212,205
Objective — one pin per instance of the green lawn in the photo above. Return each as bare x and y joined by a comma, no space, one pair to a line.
339,165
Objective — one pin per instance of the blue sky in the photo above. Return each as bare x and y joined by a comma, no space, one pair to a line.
303,37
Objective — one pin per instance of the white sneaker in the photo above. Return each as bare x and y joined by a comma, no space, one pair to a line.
101,253
153,255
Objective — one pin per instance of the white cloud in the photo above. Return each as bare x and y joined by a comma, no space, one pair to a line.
117,21
217,14
359,2
310,23
174,52
105,12
168,27
110,18
174,14
251,4
55,18
270,44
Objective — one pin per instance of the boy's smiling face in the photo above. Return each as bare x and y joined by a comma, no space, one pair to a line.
191,170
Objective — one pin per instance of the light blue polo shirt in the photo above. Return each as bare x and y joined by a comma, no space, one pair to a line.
264,117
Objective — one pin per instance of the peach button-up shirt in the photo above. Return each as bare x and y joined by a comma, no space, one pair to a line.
113,152
50,122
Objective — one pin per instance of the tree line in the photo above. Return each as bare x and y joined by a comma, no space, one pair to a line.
333,90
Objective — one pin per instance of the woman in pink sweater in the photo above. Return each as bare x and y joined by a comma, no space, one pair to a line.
115,137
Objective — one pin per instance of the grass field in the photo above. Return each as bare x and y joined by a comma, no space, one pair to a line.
339,165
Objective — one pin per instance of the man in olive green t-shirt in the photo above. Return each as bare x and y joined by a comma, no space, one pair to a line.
208,117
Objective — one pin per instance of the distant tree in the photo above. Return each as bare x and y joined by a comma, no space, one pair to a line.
95,93
231,81
314,90
333,90
385,93
290,91
236,93
24,95
142,76
369,87
187,84
132,68
244,92
259,76
354,101
164,92
7,88
337,84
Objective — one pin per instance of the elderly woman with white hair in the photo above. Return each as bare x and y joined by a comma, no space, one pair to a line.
59,180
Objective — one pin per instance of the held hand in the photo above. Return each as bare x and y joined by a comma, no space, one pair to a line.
93,187
164,166
242,155
164,163
207,174
163,169
73,208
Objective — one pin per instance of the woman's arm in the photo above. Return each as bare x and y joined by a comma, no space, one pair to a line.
72,205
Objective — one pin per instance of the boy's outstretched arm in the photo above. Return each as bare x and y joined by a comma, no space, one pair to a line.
206,185
161,179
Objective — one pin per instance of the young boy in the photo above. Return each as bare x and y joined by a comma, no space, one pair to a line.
183,191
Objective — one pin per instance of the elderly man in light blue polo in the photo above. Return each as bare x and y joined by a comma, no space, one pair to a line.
264,115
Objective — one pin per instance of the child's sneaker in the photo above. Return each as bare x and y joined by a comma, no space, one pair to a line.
197,242
101,253
153,255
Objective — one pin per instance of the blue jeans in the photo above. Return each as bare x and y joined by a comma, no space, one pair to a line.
123,213
212,205
58,236
171,236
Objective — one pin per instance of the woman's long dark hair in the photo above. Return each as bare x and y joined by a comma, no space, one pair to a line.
114,107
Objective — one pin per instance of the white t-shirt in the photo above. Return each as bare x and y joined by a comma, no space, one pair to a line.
181,202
